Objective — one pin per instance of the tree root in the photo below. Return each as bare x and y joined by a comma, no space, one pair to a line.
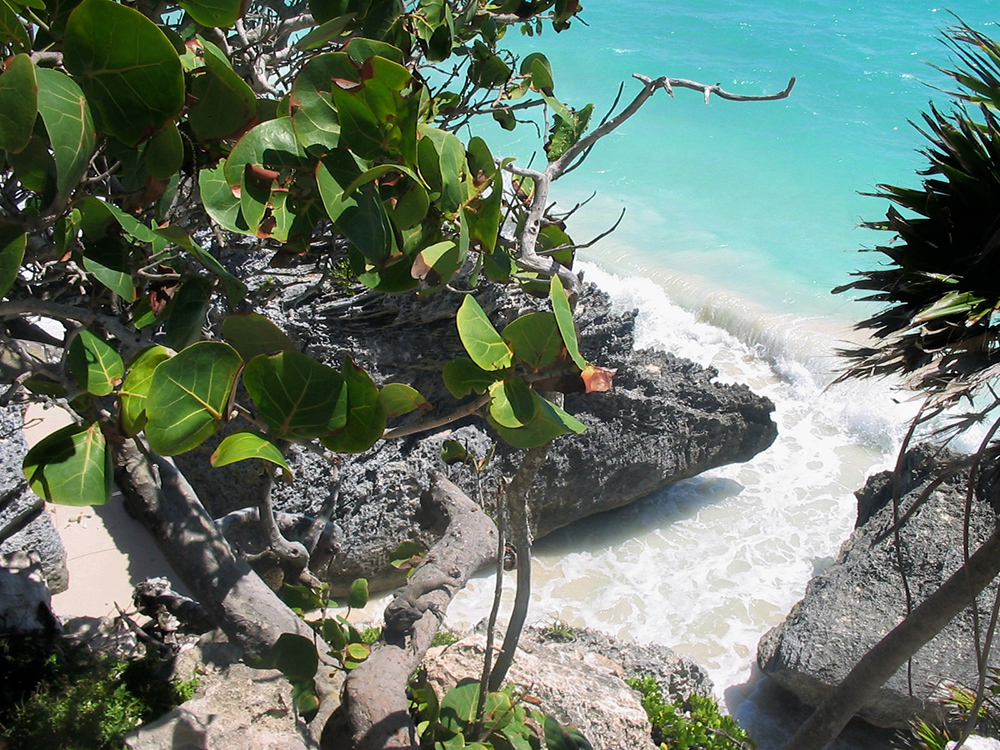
375,704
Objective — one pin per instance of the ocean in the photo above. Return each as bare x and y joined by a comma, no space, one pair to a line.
740,218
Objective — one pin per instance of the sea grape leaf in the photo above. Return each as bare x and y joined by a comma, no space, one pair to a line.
357,595
481,340
513,403
252,334
134,88
365,413
306,700
107,259
241,446
535,339
213,12
462,376
135,388
437,265
442,165
314,114
564,318
218,198
189,396
97,367
399,399
325,32
296,395
187,312
71,466
235,290
271,144
164,154
70,127
598,379
11,256
294,656
549,422
458,707
12,28
18,103
224,104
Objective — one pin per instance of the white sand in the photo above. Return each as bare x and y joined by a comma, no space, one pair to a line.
107,551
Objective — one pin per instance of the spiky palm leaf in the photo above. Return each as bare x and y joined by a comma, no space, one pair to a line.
940,328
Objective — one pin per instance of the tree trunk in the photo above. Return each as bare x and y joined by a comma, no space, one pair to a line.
375,702
897,646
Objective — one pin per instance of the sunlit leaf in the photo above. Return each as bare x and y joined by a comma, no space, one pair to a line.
549,422
357,595
564,317
296,395
399,399
18,103
134,88
70,467
97,367
213,12
241,446
481,340
189,396
70,128
135,388
513,403
598,379
535,339
218,198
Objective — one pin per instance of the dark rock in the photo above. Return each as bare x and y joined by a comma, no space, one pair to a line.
667,419
851,605
24,524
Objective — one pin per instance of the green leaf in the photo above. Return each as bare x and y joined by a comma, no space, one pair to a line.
306,701
70,128
11,256
314,113
355,653
189,396
513,403
325,32
952,303
18,103
270,144
234,289
453,452
225,104
135,388
549,422
357,595
443,166
241,446
458,707
535,339
70,467
134,88
12,28
187,312
252,334
463,376
365,413
296,395
437,265
218,198
96,366
488,70
213,12
481,340
399,399
294,656
564,318
164,154
362,218
35,168
107,259
537,66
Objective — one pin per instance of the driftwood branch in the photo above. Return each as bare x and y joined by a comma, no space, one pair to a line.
375,703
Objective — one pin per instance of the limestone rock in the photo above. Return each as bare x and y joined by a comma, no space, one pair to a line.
581,689
851,605
25,602
235,707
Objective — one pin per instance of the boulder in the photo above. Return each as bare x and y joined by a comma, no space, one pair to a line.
24,524
851,605
578,688
25,602
666,419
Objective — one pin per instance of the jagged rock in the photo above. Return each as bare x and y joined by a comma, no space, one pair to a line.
25,602
851,605
677,675
666,420
24,524
578,688
234,707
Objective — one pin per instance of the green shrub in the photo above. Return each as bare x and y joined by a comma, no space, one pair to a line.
695,724
59,697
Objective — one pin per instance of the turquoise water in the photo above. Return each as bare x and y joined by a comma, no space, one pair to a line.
759,199
740,219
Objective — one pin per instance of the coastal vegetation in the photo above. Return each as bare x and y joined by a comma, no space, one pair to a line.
139,140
